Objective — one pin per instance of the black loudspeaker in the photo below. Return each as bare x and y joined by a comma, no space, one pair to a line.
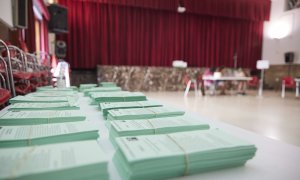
20,8
289,57
58,19
61,49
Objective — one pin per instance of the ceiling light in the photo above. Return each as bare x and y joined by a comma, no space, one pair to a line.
181,8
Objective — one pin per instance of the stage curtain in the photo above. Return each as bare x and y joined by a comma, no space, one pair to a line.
112,34
258,10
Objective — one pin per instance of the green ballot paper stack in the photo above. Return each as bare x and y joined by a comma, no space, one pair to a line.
51,88
87,92
86,86
104,107
143,113
53,94
179,154
67,161
122,96
154,126
17,136
32,99
43,106
107,84
13,118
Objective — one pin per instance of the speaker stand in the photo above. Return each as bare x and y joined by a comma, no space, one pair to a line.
261,83
289,69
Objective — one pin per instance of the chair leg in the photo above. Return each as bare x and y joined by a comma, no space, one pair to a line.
187,88
200,89
283,90
196,88
297,89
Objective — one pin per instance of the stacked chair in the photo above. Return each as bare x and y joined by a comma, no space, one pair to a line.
21,72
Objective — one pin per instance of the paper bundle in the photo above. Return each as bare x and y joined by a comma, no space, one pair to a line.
32,99
16,136
107,84
154,126
86,86
53,94
12,118
43,106
104,107
122,96
87,92
51,88
179,154
143,113
67,161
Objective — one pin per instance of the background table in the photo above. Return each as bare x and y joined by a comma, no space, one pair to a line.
274,160
223,78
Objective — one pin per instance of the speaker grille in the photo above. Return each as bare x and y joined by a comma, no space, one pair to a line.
58,19
289,57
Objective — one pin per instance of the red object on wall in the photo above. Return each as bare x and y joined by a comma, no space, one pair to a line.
30,31
119,32
42,8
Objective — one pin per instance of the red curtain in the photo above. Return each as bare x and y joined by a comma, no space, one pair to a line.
110,34
258,10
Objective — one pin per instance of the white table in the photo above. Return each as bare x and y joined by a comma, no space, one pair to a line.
224,78
274,160
297,80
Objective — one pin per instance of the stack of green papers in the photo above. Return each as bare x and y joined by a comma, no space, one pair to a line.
33,99
122,96
104,107
143,113
94,95
87,92
43,106
177,154
86,86
113,93
107,84
53,93
51,88
12,118
67,161
16,136
154,126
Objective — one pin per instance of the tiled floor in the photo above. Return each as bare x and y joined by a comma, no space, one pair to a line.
269,116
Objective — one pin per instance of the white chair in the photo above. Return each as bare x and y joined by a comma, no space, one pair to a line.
287,82
190,83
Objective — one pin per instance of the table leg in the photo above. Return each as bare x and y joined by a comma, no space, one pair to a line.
297,89
196,88
202,93
215,87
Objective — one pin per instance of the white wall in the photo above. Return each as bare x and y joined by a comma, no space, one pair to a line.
274,48
6,13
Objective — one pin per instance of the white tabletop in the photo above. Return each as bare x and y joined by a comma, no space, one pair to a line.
274,160
226,78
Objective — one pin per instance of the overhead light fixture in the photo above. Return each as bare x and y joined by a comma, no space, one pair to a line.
181,8
281,27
